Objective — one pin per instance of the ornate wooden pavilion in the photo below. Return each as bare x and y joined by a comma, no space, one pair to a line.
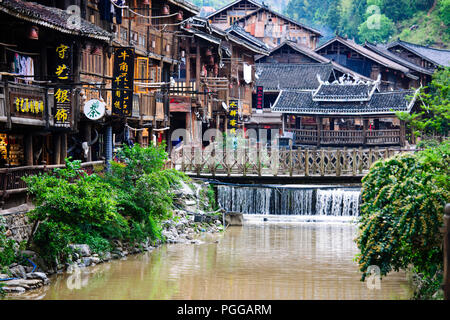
345,113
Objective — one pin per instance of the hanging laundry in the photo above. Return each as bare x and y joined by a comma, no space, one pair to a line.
24,66
247,73
118,11
104,6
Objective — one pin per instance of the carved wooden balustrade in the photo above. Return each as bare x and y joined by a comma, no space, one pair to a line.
258,161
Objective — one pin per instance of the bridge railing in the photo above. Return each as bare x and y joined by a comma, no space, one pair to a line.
259,161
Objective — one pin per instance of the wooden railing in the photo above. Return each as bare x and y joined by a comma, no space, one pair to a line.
347,137
256,161
11,178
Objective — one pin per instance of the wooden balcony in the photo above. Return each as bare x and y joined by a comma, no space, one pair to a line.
347,137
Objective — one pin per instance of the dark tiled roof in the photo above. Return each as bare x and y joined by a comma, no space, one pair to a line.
437,56
301,102
342,92
276,77
317,57
368,54
52,18
390,55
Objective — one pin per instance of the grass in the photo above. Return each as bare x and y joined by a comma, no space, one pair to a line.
431,30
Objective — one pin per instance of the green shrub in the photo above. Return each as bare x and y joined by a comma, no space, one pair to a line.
8,247
402,211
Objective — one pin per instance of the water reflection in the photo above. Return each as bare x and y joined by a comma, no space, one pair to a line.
257,261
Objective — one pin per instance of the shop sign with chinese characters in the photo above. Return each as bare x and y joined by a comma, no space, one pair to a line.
63,63
259,99
233,116
27,106
123,81
63,106
62,93
94,109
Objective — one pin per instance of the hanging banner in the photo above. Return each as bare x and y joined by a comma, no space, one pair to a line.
259,99
233,116
62,93
123,81
63,63
63,105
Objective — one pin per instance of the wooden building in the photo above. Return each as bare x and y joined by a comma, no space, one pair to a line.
40,75
351,55
345,114
425,57
274,77
264,23
218,67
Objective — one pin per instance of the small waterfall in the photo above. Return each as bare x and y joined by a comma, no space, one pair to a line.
333,202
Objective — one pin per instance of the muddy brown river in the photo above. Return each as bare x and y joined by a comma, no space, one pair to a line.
256,261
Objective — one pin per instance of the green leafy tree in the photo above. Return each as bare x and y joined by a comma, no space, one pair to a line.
434,116
377,28
402,211
444,11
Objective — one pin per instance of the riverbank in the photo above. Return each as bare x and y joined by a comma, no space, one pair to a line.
188,220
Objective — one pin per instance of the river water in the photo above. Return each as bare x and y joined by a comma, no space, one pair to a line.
257,261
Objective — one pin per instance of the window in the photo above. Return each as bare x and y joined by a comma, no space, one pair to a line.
123,34
142,41
142,72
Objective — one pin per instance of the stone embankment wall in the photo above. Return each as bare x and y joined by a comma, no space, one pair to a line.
18,226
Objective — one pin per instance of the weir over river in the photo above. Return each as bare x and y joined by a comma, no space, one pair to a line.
272,258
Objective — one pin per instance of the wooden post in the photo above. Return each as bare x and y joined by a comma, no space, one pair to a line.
57,149
291,160
365,127
63,154
370,159
319,130
338,163
322,162
244,160
354,162
361,160
402,133
183,165
345,163
306,162
88,138
28,149
259,159
446,284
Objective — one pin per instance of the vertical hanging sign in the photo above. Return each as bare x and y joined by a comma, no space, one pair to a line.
233,116
259,99
123,81
63,93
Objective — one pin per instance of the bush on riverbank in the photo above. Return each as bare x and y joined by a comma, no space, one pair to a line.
401,213
127,204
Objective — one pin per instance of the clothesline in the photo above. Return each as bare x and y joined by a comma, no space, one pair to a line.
141,15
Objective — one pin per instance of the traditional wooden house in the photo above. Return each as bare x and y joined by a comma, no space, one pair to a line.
370,64
274,77
150,29
217,69
264,23
40,87
425,57
422,73
345,113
